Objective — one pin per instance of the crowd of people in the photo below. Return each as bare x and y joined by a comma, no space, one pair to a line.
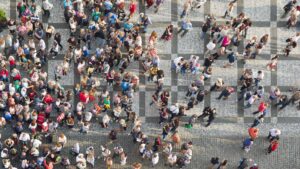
104,41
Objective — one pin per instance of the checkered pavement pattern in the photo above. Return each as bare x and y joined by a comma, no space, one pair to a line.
224,137
266,17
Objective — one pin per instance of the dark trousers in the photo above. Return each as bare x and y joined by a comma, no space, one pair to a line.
46,13
210,119
223,93
184,31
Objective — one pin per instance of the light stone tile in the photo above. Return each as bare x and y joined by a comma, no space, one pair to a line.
287,74
257,65
57,12
151,111
190,43
185,80
197,109
163,47
65,34
258,10
282,35
225,108
259,32
65,80
165,65
229,75
218,9
193,15
136,103
290,110
280,11
163,14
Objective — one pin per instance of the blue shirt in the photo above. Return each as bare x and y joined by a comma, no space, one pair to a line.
67,4
187,26
128,26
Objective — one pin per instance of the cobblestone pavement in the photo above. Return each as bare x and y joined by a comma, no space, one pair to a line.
224,137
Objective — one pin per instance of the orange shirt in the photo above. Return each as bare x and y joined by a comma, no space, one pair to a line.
253,132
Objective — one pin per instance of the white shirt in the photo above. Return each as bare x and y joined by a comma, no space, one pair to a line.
24,137
47,5
295,38
88,116
174,109
177,60
172,158
210,45
275,132
105,118
36,143
42,44
251,99
155,160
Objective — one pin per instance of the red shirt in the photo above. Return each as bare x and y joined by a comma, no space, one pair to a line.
132,7
262,107
11,62
274,146
4,72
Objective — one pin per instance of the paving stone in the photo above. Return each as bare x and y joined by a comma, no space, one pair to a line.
229,75
224,107
219,8
228,130
164,13
281,40
163,47
259,32
291,78
258,10
257,65
190,43
65,80
193,15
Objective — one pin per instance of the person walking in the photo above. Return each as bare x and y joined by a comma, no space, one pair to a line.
197,4
47,6
257,121
145,21
206,111
157,5
274,133
273,146
211,118
132,8
261,108
229,9
248,142
186,7
166,129
253,132
186,26
226,93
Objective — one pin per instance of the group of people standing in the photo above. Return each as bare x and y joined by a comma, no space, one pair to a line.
104,41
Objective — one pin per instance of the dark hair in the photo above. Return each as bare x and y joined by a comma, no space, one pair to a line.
224,163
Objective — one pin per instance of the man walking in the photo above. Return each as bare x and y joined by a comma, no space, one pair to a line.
185,27
273,146
261,108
